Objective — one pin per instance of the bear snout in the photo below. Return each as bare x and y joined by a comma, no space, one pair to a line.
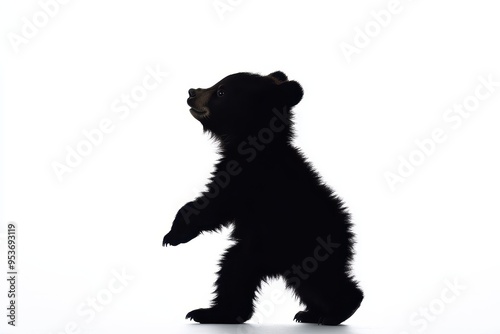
198,100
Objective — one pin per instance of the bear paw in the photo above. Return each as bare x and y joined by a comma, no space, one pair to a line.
320,319
175,238
308,317
214,316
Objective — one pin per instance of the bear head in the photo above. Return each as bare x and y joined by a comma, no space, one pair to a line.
243,103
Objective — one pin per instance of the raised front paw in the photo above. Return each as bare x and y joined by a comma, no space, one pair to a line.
171,239
175,237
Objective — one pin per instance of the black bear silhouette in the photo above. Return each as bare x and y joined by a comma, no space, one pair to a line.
287,222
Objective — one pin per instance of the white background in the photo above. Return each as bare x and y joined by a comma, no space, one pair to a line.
355,120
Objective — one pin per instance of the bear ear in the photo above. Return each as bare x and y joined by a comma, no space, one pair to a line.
292,92
280,76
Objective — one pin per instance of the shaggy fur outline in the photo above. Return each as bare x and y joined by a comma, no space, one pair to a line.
286,221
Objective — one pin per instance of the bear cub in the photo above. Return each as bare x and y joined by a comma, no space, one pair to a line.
286,222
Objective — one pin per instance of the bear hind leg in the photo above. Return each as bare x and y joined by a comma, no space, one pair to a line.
238,280
328,305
